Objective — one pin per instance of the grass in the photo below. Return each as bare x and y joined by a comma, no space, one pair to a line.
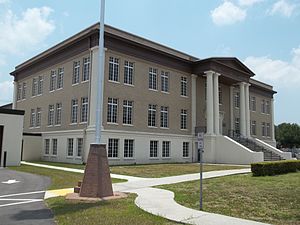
271,199
116,212
59,179
155,170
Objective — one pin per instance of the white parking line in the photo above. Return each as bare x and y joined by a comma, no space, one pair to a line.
20,203
25,193
19,199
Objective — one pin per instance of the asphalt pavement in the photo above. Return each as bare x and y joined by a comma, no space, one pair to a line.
22,199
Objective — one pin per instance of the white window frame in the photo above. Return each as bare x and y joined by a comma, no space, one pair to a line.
32,118
253,103
54,147
152,79
84,110
166,149
183,86
128,72
152,115
183,119
112,110
58,113
113,71
70,147
127,112
237,125
185,149
79,147
53,77
24,87
113,148
153,149
263,129
38,117
40,85
86,69
60,78
268,129
128,148
19,92
47,146
51,115
34,86
253,127
236,99
74,111
164,81
164,117
76,72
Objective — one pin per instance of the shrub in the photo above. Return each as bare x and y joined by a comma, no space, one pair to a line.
275,167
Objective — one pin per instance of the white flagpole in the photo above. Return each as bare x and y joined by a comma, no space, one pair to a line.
99,106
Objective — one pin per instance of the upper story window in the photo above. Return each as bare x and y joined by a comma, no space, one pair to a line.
237,99
164,111
263,106
263,129
183,86
40,85
113,73
183,119
52,80
58,114
151,115
51,115
237,125
32,118
86,69
74,111
19,92
24,91
268,107
220,95
112,110
152,78
34,86
268,130
253,103
127,112
38,117
76,72
128,72
164,81
253,127
60,78
84,109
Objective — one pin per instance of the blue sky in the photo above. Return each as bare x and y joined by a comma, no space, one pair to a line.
264,34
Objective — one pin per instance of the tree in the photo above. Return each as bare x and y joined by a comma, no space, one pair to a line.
288,135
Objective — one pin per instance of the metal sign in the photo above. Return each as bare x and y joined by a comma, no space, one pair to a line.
200,139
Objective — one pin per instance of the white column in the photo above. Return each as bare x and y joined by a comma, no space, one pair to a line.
209,103
194,102
242,109
272,123
14,106
247,110
231,108
216,104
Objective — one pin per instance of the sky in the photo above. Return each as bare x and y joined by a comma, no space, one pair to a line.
263,34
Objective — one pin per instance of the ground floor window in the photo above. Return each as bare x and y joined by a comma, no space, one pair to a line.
268,130
70,147
185,149
128,148
253,127
54,146
113,148
153,149
165,149
47,146
79,147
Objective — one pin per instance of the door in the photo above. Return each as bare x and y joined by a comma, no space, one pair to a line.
1,140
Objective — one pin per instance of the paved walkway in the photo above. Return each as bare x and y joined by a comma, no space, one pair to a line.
161,202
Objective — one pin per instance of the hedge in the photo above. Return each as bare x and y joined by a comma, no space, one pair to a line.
275,167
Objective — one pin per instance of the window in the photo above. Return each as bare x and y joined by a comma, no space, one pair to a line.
74,111
237,125
164,81
268,131
151,115
185,149
40,85
127,112
19,92
253,103
60,78
54,146
47,146
183,86
237,99
84,109
253,127
128,73
263,106
32,118
113,73
128,148
113,148
183,119
58,114
112,110
70,147
24,91
263,129
38,117
152,78
86,69
164,116
51,115
76,72
165,149
79,147
268,107
34,86
220,95
52,80
153,149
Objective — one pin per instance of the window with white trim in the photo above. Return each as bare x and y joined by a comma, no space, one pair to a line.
237,99
34,86
32,118
151,115
263,106
47,146
74,111
220,95
237,125
58,113
153,149
19,92
113,148
183,119
24,91
263,129
183,86
40,85
152,78
60,78
185,149
112,110
165,149
76,72
268,130
253,103
164,81
84,109
113,72
54,146
128,148
128,72
38,117
86,69
70,147
253,127
127,112
51,115
52,80
79,147
268,107
164,117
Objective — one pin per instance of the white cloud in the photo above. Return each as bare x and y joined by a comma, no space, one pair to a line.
227,13
282,7
21,34
6,88
275,71
248,2
4,1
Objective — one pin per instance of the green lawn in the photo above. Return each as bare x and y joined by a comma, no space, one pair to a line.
59,179
155,170
114,212
270,199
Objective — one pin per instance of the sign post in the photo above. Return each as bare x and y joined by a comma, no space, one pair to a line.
200,139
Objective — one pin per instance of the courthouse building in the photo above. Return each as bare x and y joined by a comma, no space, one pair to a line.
155,101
